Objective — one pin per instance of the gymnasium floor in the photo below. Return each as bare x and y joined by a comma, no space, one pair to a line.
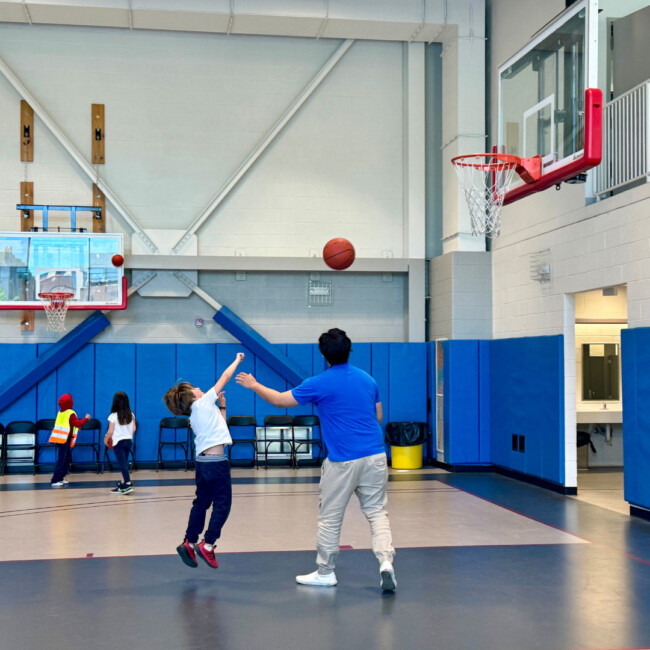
484,562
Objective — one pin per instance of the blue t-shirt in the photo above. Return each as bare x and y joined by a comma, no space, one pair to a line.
346,398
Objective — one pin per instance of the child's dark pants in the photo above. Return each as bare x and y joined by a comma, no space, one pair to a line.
213,488
122,450
63,461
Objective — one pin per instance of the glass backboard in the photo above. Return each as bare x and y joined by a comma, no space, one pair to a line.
542,89
79,263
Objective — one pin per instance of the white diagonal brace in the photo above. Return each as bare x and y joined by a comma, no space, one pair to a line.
263,145
141,281
198,291
76,155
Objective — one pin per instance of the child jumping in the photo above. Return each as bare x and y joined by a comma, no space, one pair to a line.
213,487
121,427
64,434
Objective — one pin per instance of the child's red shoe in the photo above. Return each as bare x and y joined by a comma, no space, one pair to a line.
188,554
207,556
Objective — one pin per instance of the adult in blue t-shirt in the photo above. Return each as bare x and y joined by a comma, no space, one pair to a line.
350,413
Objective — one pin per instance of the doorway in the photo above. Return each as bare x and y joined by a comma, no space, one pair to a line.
600,315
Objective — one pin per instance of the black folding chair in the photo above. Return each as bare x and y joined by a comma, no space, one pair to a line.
89,437
22,429
280,423
310,422
46,425
181,424
247,422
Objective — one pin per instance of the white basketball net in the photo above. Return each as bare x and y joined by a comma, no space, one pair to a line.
56,307
485,181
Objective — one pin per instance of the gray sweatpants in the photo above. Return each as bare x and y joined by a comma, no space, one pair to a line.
367,478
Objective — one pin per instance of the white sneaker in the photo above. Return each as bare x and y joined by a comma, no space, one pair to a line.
315,579
65,482
387,573
60,484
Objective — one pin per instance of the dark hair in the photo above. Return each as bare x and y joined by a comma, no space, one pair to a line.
122,407
335,346
179,398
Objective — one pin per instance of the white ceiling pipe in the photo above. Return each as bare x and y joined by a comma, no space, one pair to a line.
396,20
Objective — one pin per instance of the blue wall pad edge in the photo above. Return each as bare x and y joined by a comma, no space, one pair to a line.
42,366
259,346
635,362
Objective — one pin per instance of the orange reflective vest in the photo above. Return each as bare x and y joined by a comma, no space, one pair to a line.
62,428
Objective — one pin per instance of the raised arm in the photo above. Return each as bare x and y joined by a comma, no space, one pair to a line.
227,374
270,395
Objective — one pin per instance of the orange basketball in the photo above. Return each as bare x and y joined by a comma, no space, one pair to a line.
338,253
117,260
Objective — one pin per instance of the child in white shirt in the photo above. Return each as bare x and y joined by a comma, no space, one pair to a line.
119,437
213,485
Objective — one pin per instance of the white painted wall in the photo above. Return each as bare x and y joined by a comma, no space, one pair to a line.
183,111
461,298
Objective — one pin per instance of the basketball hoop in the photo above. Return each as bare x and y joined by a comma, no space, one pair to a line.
486,179
55,304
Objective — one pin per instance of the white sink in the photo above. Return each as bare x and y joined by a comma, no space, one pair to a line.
599,416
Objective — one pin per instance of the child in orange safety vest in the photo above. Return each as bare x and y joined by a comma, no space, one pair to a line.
64,435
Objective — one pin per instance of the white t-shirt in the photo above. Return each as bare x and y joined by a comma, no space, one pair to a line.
209,427
122,431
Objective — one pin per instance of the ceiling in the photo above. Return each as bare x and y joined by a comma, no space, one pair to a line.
393,20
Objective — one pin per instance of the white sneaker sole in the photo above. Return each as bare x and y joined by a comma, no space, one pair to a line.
388,582
314,583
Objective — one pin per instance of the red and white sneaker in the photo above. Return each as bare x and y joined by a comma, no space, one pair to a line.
188,554
207,556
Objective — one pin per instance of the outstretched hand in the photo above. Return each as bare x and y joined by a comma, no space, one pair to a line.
240,357
246,380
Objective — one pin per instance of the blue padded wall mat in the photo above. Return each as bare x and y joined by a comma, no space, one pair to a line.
303,355
46,404
14,383
407,381
76,376
146,371
484,397
635,360
14,359
115,371
527,398
462,403
155,373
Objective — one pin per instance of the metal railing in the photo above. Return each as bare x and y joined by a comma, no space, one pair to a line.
626,141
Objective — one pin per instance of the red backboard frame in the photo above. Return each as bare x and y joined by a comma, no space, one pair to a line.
591,156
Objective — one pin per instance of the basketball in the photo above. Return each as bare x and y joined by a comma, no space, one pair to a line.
117,260
338,253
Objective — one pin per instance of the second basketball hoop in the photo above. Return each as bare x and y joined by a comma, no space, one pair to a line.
486,179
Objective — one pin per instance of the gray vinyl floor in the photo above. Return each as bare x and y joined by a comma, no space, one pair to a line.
603,487
483,561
